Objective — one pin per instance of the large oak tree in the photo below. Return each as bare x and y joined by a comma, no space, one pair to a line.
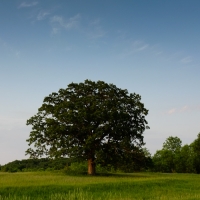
94,121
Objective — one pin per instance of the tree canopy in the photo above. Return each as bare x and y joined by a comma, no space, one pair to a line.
166,160
172,144
94,121
176,158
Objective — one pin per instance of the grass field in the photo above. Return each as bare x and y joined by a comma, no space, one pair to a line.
59,186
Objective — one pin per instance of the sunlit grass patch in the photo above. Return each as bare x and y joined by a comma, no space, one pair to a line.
59,186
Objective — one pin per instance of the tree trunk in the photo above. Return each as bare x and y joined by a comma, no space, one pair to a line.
91,166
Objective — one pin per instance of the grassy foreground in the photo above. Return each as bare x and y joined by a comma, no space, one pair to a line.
59,186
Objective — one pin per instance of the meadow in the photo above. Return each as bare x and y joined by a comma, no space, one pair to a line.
57,185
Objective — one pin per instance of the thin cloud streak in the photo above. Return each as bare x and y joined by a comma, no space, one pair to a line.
59,23
95,22
143,47
139,46
95,29
136,47
186,60
42,15
97,33
171,111
183,109
26,5
6,47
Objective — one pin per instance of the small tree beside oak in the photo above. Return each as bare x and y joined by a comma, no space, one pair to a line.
94,121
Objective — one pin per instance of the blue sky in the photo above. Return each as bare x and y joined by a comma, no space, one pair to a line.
150,47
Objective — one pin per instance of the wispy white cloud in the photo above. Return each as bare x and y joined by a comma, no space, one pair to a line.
134,47
158,53
17,54
98,32
142,47
95,29
95,22
42,15
139,46
179,57
59,23
171,111
25,4
38,13
55,30
183,109
186,60
121,35
7,48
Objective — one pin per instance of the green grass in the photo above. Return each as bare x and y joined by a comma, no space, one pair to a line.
59,186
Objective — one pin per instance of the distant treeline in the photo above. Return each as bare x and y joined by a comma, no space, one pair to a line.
45,164
36,165
173,157
70,165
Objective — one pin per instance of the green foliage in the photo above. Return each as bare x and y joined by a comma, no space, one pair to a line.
176,158
186,160
77,168
196,147
167,159
172,144
147,160
89,121
36,165
71,167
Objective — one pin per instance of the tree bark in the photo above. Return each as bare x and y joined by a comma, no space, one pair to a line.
91,166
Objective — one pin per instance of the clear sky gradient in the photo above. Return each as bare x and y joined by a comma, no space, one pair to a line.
150,47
